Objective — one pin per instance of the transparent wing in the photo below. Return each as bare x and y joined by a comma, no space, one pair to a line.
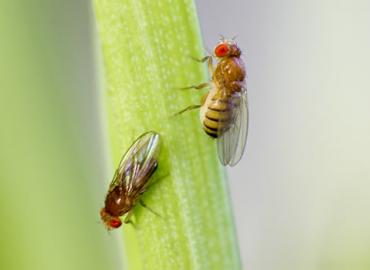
138,164
233,137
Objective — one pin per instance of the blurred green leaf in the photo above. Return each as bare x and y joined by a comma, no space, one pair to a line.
52,160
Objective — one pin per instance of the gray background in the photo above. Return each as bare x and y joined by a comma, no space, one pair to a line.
301,193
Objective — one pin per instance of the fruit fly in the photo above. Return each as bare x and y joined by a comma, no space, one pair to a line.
131,179
224,109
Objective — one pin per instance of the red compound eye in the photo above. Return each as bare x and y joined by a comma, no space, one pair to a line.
115,222
221,50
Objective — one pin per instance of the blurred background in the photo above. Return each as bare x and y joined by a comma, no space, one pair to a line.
52,141
301,193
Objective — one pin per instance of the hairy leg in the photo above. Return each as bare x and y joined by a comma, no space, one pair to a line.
209,61
147,207
197,86
192,107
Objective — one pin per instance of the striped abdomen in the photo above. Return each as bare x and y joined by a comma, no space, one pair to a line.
216,115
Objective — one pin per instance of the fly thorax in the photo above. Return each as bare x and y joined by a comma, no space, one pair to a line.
230,73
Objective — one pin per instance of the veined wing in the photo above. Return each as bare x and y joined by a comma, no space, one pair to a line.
232,139
137,164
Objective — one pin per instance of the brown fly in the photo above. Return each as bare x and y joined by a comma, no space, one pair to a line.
131,179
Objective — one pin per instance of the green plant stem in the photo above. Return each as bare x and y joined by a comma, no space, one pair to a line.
147,49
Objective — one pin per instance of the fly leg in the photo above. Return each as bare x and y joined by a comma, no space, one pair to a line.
147,207
209,61
192,107
202,60
196,86
128,219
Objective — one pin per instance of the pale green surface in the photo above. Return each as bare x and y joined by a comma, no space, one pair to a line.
147,48
52,167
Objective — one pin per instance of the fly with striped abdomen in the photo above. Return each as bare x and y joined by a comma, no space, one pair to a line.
224,109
